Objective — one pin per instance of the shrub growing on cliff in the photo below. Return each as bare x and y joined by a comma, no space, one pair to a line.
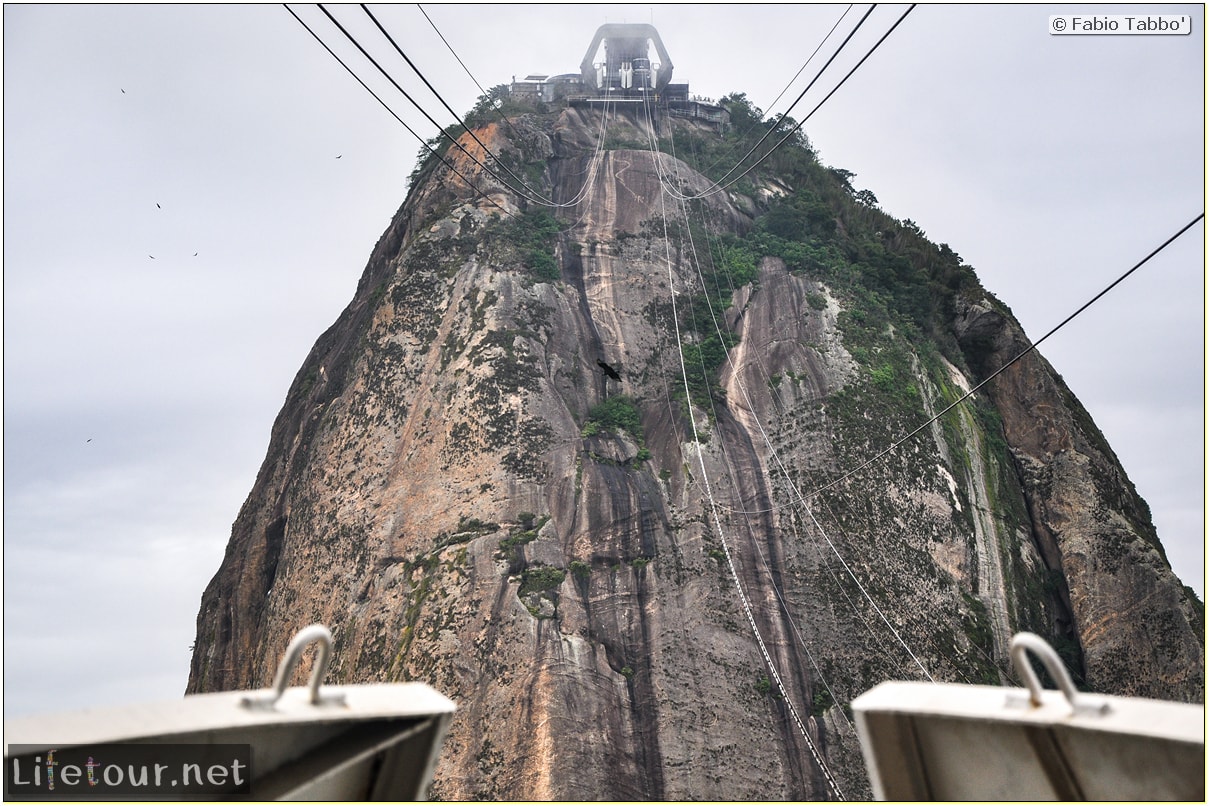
535,234
615,415
526,532
496,104
702,360
476,525
540,578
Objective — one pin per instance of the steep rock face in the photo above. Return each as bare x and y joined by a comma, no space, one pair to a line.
1137,626
627,586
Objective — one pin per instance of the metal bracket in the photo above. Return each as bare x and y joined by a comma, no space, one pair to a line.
285,669
1080,704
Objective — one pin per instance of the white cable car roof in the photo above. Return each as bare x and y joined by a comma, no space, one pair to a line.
938,741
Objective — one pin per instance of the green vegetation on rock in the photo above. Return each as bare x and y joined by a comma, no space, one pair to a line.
615,415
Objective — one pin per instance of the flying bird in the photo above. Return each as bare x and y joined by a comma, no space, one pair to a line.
607,370
151,256
123,91
338,156
157,205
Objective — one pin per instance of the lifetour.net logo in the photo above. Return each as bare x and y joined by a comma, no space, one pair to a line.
164,771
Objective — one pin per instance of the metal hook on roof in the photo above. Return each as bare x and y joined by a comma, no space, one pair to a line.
285,670
1022,644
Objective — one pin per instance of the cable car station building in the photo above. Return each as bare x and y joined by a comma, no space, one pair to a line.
626,63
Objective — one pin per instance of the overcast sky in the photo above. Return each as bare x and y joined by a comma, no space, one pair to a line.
191,194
